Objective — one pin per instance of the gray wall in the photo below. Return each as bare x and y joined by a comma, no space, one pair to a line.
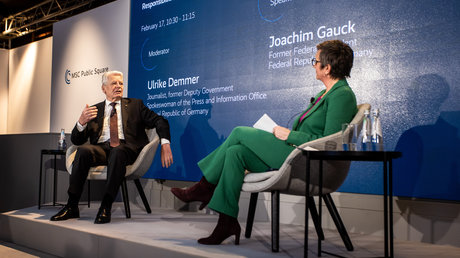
20,169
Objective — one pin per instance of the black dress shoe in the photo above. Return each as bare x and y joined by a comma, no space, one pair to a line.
68,212
103,216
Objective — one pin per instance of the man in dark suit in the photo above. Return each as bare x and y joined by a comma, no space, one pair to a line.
116,132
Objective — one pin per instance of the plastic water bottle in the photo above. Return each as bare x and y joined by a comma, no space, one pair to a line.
377,139
62,145
365,135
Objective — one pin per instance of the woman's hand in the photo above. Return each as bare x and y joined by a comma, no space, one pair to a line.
281,133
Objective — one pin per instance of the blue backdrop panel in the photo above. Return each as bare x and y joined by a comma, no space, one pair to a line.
208,66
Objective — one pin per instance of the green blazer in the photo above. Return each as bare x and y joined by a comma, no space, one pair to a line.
338,106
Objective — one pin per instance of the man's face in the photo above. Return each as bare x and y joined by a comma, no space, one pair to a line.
114,87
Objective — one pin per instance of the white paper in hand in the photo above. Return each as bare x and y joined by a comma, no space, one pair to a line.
265,123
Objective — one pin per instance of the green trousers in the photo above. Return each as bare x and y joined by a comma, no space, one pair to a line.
245,148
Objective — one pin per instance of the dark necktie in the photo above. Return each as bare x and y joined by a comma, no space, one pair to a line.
114,140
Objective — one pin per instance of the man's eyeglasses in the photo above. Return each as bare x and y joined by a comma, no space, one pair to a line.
314,61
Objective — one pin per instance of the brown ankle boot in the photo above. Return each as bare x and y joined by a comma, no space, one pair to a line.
226,226
201,191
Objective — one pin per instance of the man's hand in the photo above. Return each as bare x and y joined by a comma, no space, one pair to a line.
166,155
281,133
87,114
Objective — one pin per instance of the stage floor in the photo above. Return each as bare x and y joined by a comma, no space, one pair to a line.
170,233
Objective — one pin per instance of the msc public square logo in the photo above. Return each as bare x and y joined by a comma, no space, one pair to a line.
83,73
67,76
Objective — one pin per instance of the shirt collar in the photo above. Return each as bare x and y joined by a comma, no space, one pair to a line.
107,102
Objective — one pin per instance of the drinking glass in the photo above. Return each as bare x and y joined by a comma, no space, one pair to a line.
349,137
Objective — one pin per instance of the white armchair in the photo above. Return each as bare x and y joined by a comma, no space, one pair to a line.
290,179
133,172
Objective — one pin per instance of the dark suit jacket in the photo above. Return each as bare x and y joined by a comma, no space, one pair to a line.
136,118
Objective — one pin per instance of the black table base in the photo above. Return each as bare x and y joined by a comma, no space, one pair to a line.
381,156
55,153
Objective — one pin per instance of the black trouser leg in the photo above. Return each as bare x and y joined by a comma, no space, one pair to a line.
87,155
118,158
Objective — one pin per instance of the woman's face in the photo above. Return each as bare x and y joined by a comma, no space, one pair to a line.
320,73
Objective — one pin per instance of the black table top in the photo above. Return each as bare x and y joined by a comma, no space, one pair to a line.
53,151
352,155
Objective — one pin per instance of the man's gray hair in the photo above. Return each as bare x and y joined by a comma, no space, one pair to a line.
106,75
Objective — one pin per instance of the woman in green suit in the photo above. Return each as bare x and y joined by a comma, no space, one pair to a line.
247,148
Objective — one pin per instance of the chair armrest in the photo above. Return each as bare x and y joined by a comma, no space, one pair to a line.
69,157
334,141
330,142
145,158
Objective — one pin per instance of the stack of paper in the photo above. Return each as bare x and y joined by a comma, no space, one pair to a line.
265,123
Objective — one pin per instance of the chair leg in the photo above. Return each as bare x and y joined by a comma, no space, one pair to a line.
251,214
89,187
142,194
275,220
124,191
315,218
338,221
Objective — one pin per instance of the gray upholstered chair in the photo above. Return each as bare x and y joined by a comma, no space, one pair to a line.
290,179
133,172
